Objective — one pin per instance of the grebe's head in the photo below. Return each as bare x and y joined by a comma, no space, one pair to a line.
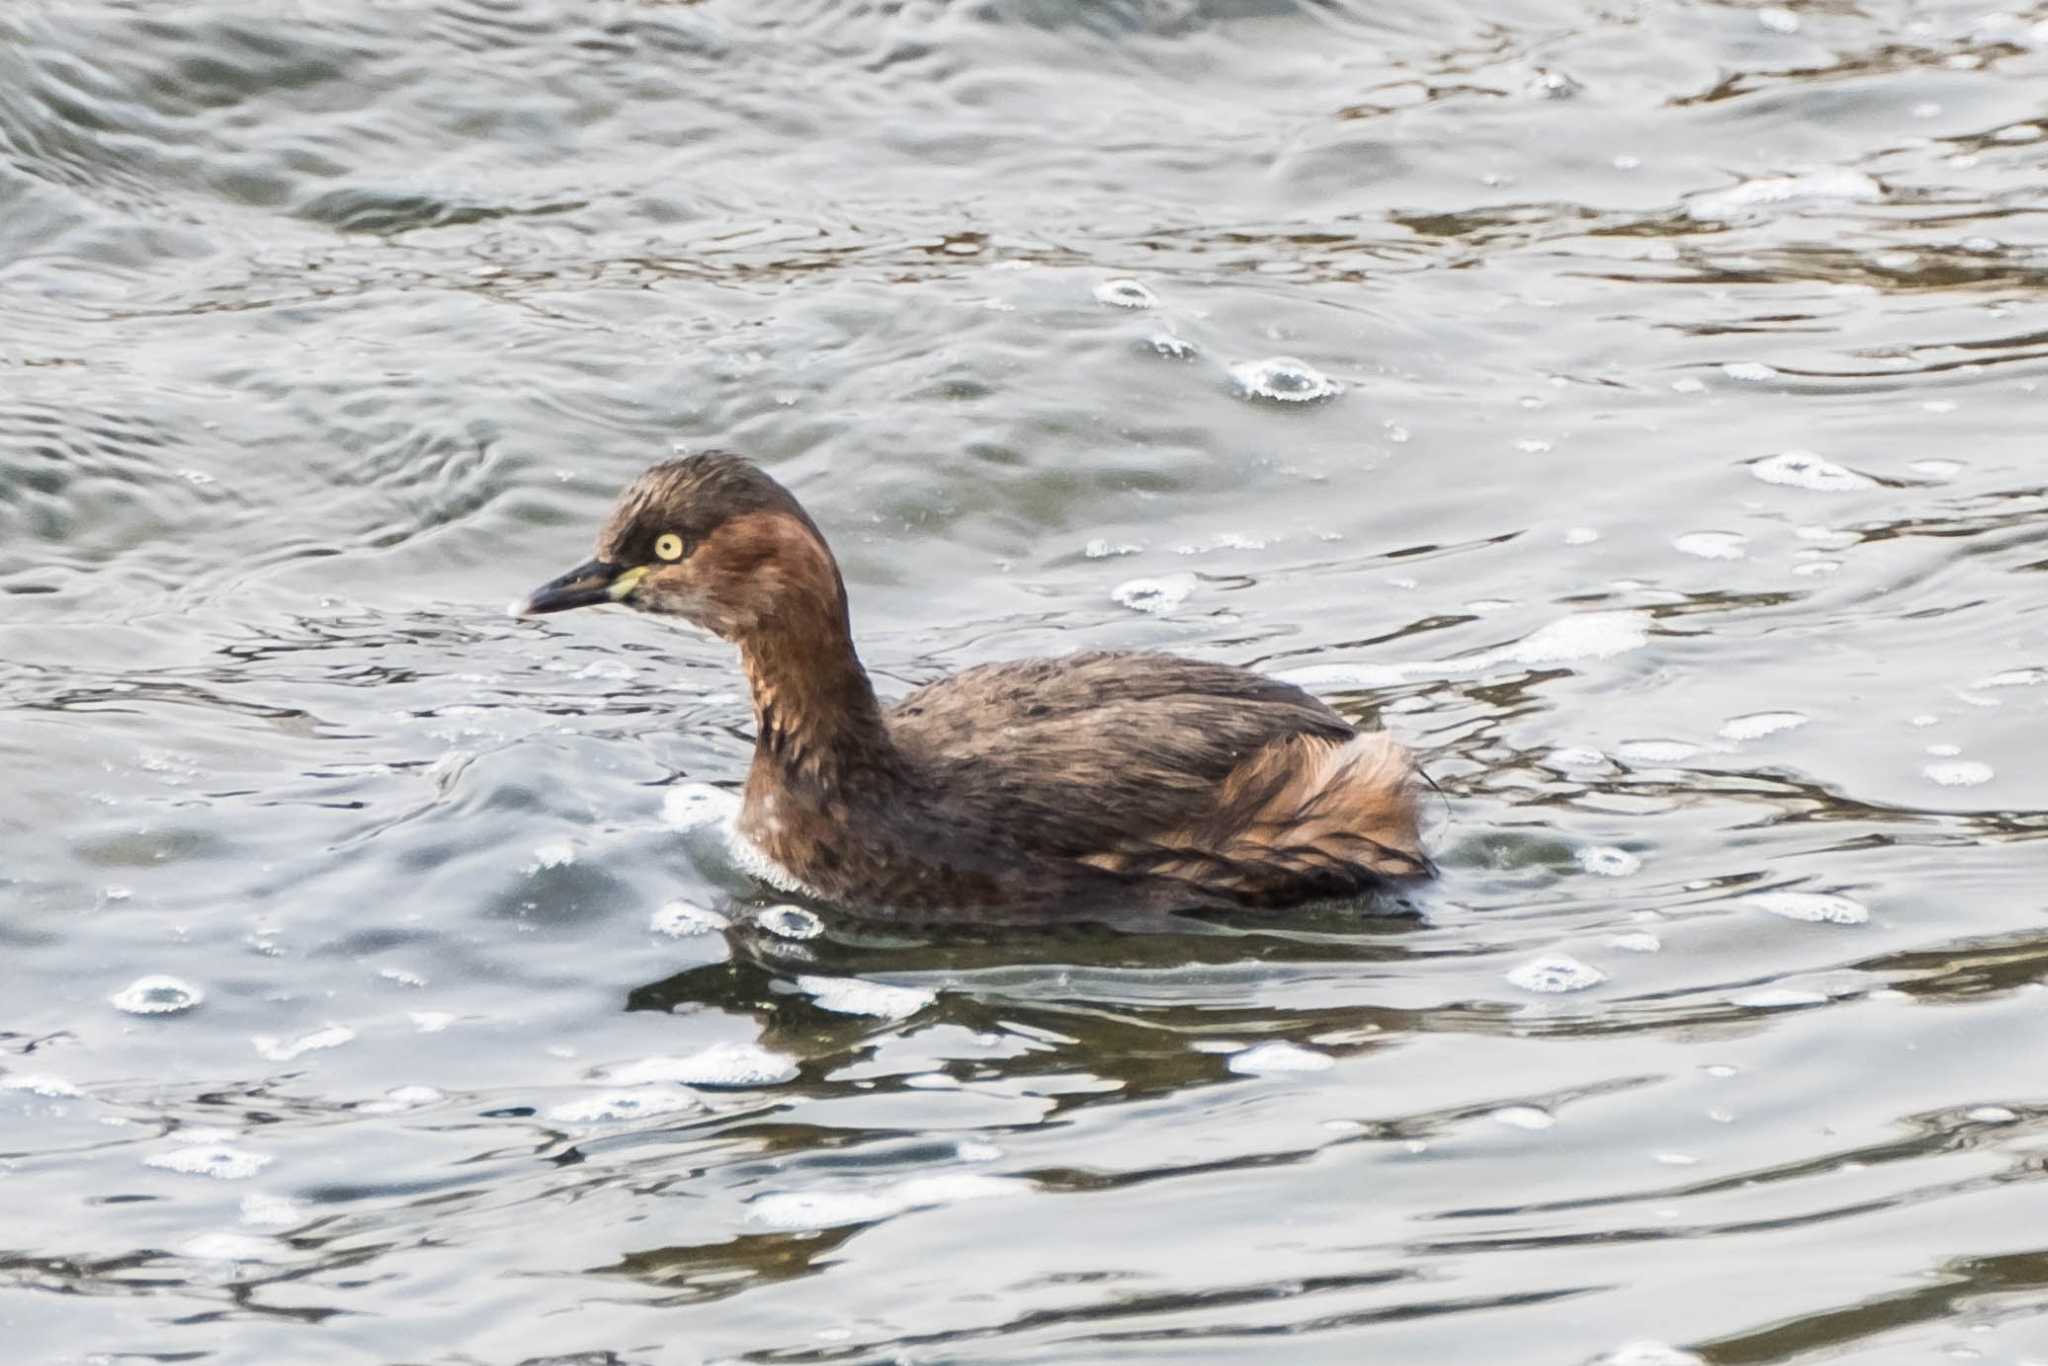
711,539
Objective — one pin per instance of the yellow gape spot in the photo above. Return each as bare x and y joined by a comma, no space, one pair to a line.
670,546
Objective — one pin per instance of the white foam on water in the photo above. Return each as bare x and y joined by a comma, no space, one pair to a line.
1944,751
1277,1056
1815,907
553,854
1656,751
1173,346
754,861
1218,1046
430,1021
1572,759
228,1247
1836,185
1607,861
1636,941
852,996
1688,384
1522,1117
2014,678
1754,371
271,1211
1125,293
834,1209
1099,549
1779,998
1157,596
681,920
1650,1352
2018,132
1714,545
1677,1159
1580,535
1555,973
1959,773
399,1099
283,1050
43,1084
1283,379
222,1161
611,1107
1990,1114
1778,20
1756,725
692,806
1583,635
1805,470
157,994
737,1066
975,1150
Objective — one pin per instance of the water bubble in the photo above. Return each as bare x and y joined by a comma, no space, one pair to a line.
1284,379
1656,751
681,920
693,806
609,1107
1757,725
1155,596
1805,470
734,1065
1959,773
1125,293
1831,185
221,1161
1607,861
852,996
553,854
834,1209
1099,549
1172,347
1815,907
1555,973
1649,1352
280,1050
399,1099
1583,635
157,995
228,1247
1279,1056
271,1211
790,922
1754,371
1779,998
1713,545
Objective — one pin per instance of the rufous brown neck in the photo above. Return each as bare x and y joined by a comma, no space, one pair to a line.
815,714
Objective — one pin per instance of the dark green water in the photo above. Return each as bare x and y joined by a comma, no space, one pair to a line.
1684,504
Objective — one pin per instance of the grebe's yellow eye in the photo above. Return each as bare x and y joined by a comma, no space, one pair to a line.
669,546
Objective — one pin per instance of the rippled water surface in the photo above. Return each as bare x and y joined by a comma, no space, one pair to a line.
1635,404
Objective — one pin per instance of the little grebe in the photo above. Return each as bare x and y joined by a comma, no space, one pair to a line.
1037,790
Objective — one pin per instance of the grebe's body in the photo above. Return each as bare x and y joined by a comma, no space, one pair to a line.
1041,790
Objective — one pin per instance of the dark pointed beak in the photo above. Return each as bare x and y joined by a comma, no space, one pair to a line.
584,586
